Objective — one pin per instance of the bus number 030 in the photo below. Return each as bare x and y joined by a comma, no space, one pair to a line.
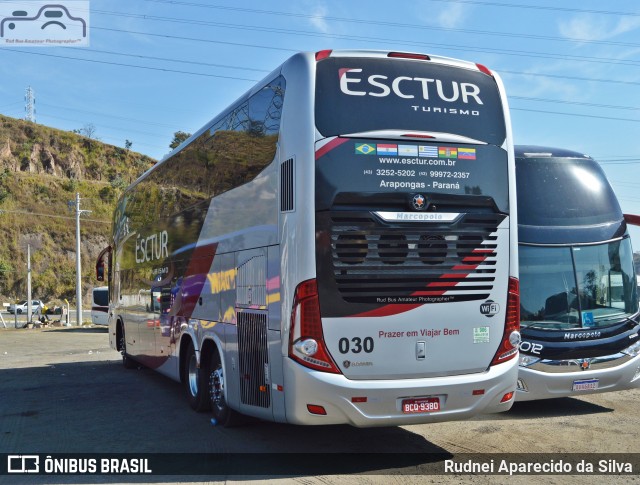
355,345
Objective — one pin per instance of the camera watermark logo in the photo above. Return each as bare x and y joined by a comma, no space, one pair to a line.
42,23
23,464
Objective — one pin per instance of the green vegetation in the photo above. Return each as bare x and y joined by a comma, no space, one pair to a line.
178,137
41,170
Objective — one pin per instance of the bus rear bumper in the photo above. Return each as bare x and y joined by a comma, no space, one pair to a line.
367,403
535,384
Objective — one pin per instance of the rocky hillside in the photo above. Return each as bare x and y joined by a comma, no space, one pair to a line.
41,170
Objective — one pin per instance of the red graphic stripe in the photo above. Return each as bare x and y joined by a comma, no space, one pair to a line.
396,309
632,219
430,293
442,283
335,143
194,279
465,267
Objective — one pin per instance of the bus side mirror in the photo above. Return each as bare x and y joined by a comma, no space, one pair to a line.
100,265
100,271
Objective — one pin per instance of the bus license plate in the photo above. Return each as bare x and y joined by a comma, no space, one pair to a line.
423,405
585,385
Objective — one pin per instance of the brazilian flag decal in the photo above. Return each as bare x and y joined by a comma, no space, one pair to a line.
365,149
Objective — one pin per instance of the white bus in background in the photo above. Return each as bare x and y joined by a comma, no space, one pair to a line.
100,306
579,313
337,246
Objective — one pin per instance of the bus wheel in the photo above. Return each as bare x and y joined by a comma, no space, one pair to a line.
195,382
222,413
127,361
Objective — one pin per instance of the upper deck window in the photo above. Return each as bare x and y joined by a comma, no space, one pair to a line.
574,192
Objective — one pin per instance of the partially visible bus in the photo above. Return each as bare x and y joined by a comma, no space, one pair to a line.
579,304
337,246
100,306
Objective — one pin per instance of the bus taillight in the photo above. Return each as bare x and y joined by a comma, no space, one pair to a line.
306,340
409,55
511,338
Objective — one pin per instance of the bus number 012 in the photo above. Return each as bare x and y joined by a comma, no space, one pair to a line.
356,345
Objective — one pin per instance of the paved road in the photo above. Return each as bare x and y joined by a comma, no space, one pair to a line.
63,390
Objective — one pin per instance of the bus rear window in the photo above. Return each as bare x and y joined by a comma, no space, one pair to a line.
355,95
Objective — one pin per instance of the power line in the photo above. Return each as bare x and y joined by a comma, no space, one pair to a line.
10,104
510,72
575,78
501,71
192,39
104,126
466,48
578,103
574,114
128,65
541,7
195,63
627,183
358,21
54,216
123,118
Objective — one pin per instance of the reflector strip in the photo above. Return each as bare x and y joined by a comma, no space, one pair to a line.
507,397
315,409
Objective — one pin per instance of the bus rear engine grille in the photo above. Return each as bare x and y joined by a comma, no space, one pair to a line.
369,258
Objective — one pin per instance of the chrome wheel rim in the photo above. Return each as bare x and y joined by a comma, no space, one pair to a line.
193,375
217,387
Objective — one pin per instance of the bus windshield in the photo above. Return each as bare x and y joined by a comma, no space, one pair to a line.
576,287
355,95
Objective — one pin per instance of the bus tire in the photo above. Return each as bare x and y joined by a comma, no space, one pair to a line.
222,413
127,361
196,382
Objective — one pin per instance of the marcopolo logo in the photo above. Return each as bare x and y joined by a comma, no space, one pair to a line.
38,23
419,202
489,308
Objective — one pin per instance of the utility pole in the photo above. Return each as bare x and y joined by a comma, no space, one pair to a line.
29,307
78,264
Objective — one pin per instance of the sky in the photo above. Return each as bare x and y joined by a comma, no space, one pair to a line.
153,67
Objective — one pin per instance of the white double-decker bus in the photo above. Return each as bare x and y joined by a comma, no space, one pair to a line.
338,246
